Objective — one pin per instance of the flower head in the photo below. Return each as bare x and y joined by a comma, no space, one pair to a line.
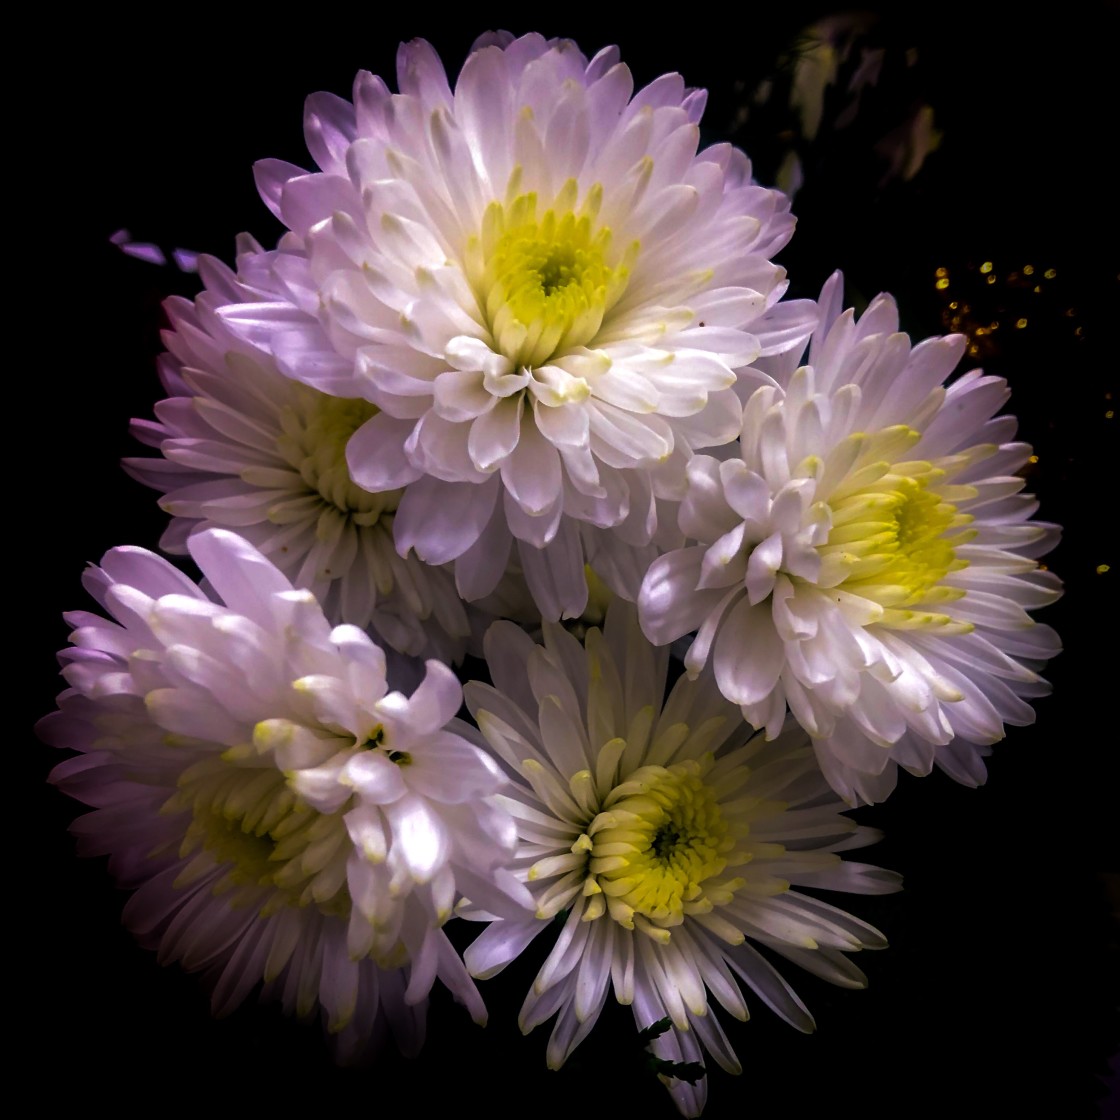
282,815
248,449
544,288
669,835
866,558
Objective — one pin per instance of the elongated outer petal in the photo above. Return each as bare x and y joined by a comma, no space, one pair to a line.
441,523
669,602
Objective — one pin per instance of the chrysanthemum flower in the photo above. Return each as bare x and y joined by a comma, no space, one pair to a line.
282,815
543,287
669,835
867,558
248,449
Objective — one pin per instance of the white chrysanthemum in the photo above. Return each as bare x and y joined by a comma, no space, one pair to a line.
544,288
248,449
669,835
868,558
282,815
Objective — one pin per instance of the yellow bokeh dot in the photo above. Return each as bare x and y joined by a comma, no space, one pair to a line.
1102,568
1028,270
943,283
1050,273
1020,323
986,266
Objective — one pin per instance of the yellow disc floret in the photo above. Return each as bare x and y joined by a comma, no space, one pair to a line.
893,541
659,846
313,441
248,817
545,281
252,822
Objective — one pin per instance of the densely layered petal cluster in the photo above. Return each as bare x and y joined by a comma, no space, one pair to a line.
543,286
867,558
281,813
248,449
670,835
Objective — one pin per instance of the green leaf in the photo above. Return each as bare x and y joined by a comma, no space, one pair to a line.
682,1071
654,1030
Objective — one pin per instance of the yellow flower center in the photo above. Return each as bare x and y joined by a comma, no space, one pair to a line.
544,282
894,540
276,850
659,848
313,441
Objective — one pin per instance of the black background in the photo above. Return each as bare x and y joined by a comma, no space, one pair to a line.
997,996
